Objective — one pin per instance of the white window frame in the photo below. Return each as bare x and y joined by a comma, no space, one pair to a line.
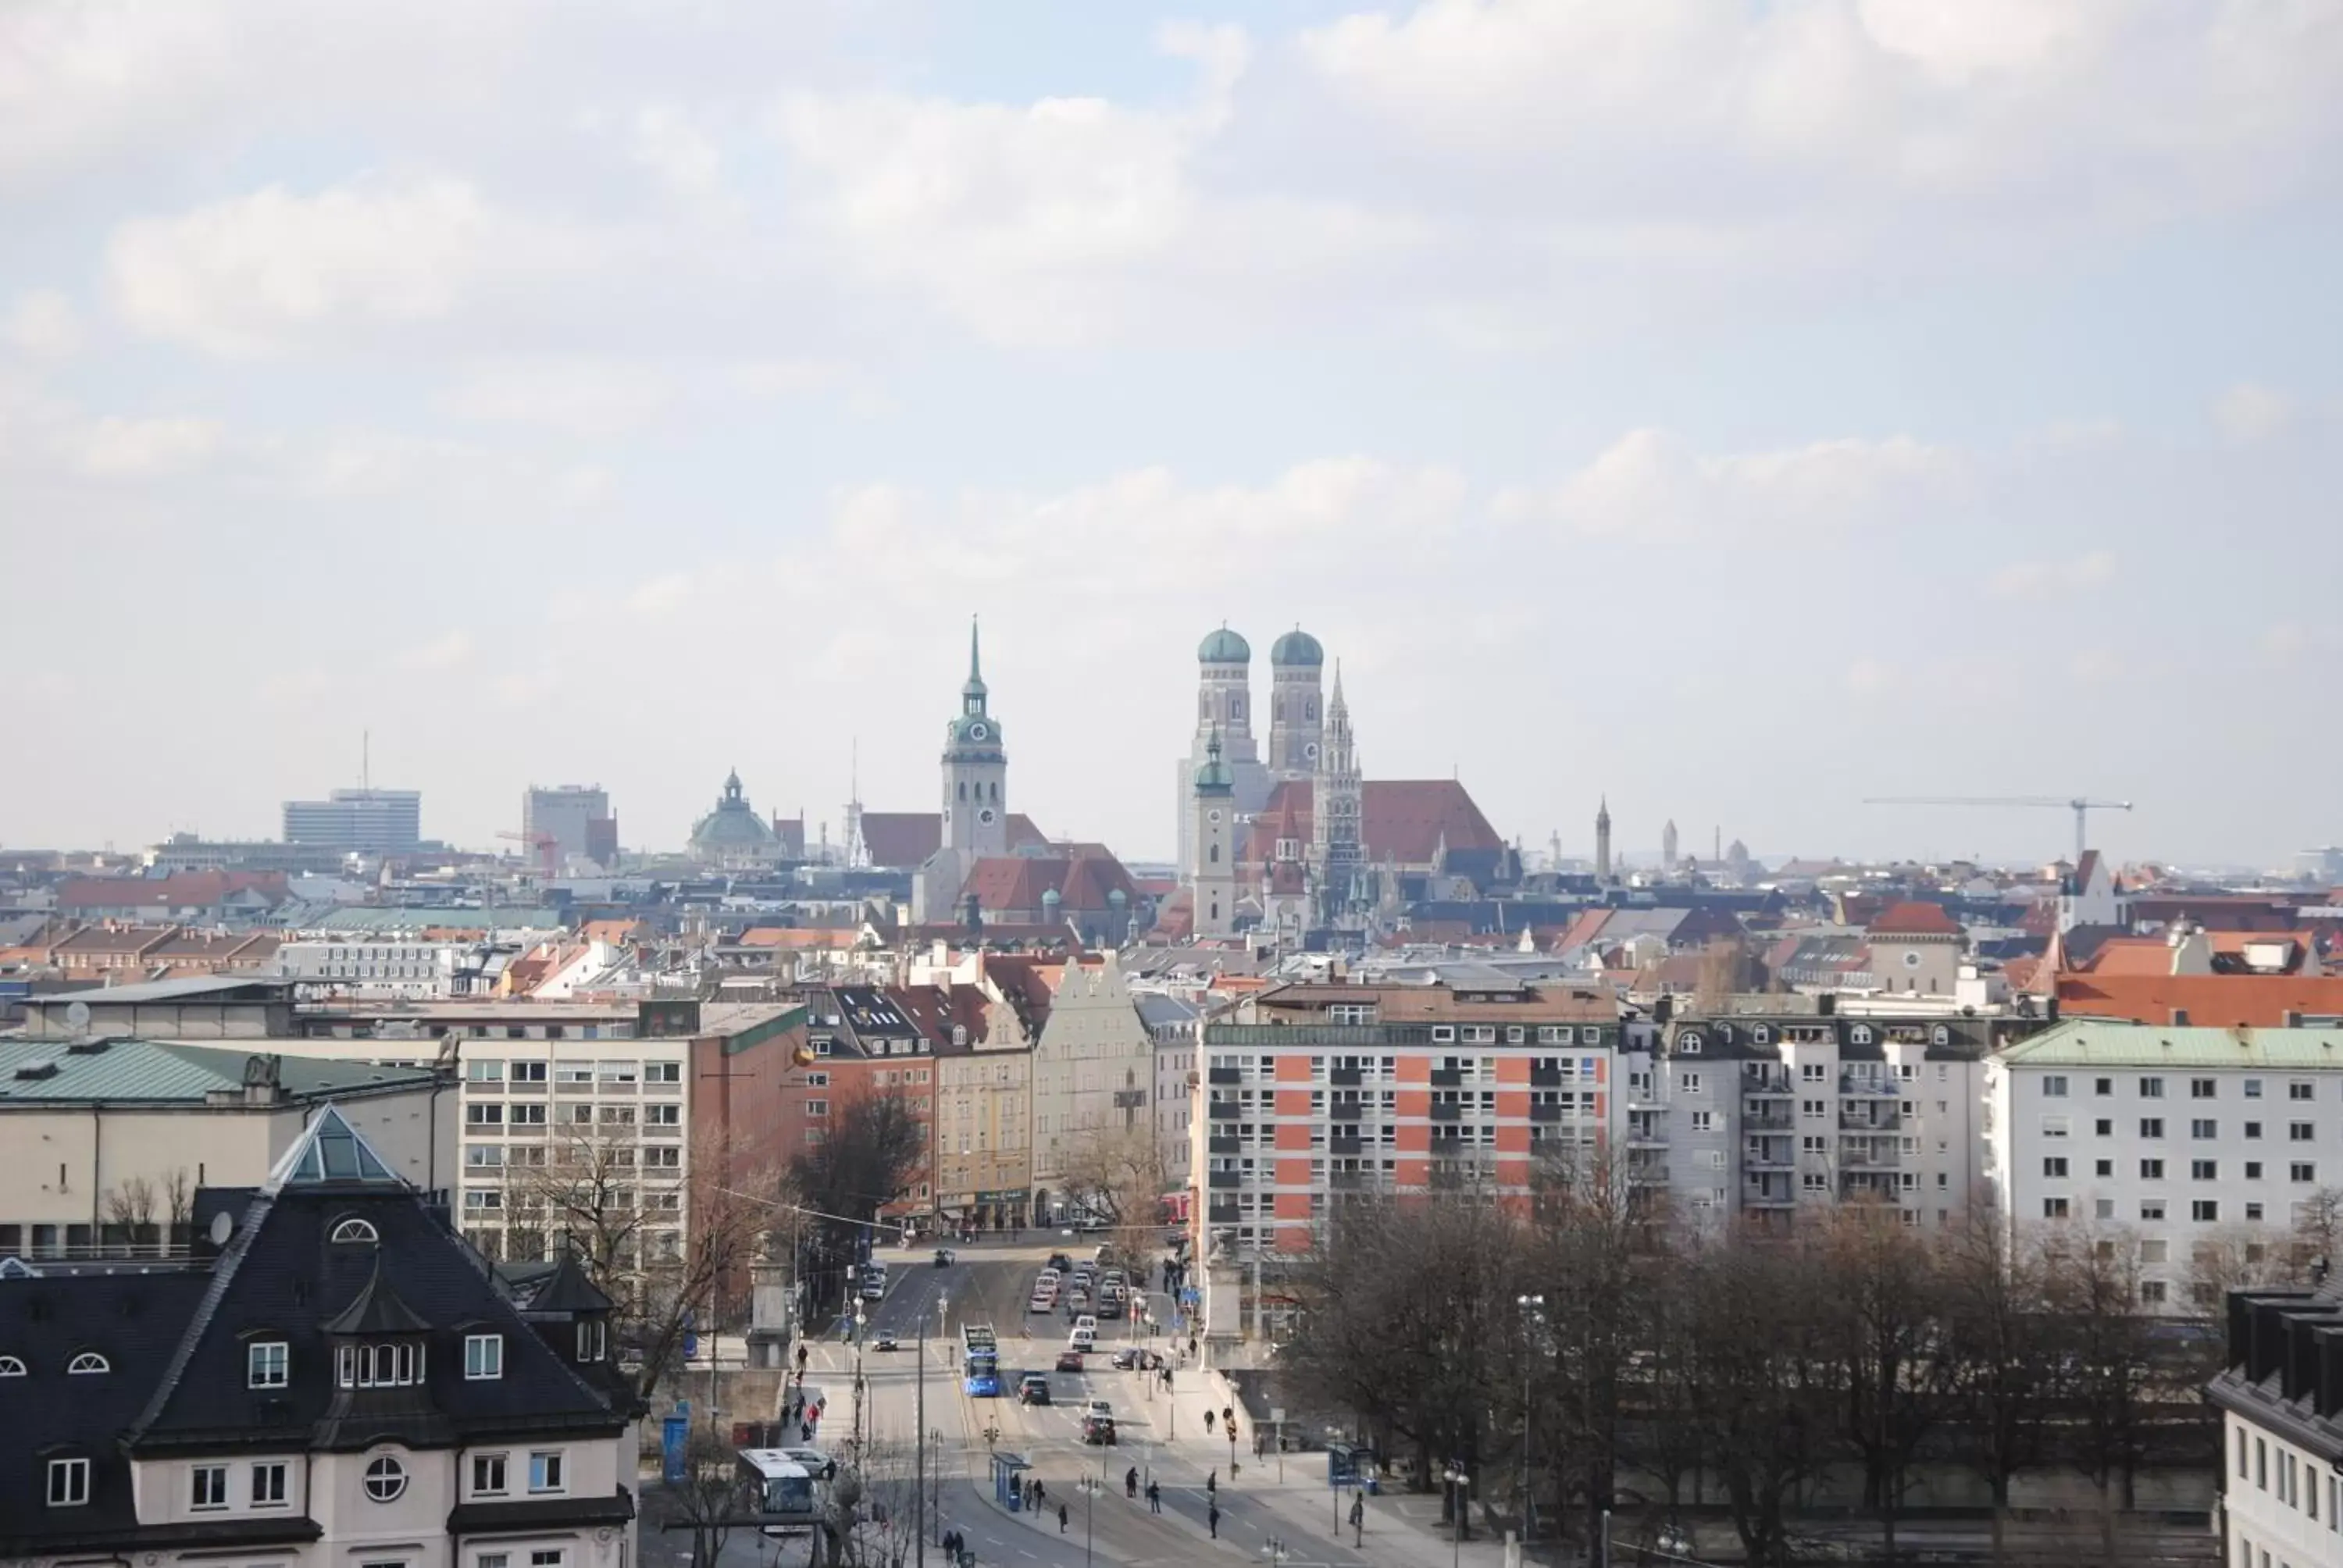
502,1471
548,1471
270,1483
208,1488
484,1358
263,1369
74,1475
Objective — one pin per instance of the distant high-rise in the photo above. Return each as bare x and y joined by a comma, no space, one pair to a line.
575,817
365,822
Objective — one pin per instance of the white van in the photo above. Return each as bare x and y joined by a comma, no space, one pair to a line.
1084,1337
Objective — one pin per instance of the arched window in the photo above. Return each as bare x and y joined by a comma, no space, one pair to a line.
996,789
1310,711
963,788
89,1361
353,1232
11,1367
1215,856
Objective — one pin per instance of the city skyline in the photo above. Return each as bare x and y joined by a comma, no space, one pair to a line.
1948,407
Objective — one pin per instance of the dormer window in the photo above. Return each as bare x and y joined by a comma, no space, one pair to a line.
593,1340
10,1366
68,1482
88,1361
354,1232
484,1357
267,1364
378,1365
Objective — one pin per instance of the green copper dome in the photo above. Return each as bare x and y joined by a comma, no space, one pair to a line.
1297,648
1223,647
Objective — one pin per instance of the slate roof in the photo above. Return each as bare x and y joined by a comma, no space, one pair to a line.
175,1336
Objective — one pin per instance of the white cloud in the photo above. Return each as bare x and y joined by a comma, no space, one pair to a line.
661,595
452,651
2095,666
2039,579
1867,677
264,272
1653,482
2246,413
42,324
666,141
576,397
119,449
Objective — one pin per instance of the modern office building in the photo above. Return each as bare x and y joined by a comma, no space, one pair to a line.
575,817
366,821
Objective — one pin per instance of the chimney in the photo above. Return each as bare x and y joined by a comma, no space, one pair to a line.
2180,1017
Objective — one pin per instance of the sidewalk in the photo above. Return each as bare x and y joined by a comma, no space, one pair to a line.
1401,1527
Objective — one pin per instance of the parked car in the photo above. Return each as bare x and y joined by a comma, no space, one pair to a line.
1034,1388
1130,1358
1069,1360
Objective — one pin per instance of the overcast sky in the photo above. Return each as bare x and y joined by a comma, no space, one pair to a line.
1741,409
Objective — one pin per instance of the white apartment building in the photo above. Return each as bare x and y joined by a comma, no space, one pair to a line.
2191,1140
530,1103
2280,1394
375,967
1754,1117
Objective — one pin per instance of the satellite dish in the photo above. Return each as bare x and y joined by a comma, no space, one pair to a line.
223,1227
77,1017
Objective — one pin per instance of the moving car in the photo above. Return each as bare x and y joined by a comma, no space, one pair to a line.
1069,1360
1085,1323
946,1256
1060,1262
1099,1430
1099,1407
1040,1303
1082,1338
1129,1359
1034,1388
882,1342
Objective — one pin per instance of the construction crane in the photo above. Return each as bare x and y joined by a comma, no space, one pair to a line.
547,846
2078,805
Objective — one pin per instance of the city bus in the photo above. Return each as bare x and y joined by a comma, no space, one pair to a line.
980,1362
782,1493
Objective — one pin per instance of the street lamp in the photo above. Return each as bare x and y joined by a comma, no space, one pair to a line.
859,1319
1458,1481
1089,1486
920,1469
1532,1311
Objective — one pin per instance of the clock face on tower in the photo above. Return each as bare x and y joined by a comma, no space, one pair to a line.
978,731
1310,751
988,816
1213,815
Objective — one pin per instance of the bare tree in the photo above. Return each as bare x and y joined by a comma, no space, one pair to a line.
2004,1352
130,1210
710,1502
1883,1301
2319,1229
663,1243
1723,972
178,1199
869,1161
1116,1175
2094,1288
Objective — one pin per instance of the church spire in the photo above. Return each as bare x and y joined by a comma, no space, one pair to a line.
975,659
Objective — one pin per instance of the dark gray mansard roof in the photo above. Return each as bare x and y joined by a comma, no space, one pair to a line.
176,1338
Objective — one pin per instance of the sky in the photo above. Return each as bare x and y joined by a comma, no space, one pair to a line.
1736,410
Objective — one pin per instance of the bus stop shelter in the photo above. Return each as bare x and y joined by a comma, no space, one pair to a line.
1007,1468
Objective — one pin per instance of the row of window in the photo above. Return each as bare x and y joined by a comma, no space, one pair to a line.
609,1074
2302,1170
2295,1481
208,1485
2202,1210
2056,1085
2199,1127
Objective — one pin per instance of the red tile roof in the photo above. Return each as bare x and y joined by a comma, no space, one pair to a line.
1402,819
1913,920
2218,1001
908,838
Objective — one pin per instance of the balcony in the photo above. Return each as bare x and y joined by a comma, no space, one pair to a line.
1880,1122
1648,1175
1867,1160
535,1087
1224,1178
1767,1123
1221,1215
1344,1077
1447,1111
1865,1087
1648,1135
1220,1145
1769,1200
1221,1075
1546,1113
1221,1111
1447,1078
1341,1144
1545,1078
1352,1181
1757,1157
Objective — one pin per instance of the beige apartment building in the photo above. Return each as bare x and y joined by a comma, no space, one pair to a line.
108,1139
1094,1072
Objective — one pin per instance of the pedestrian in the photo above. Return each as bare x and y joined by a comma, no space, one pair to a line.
1154,1497
1213,1517
1212,1484
1359,1519
1131,1481
805,1432
1061,1519
1208,1423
